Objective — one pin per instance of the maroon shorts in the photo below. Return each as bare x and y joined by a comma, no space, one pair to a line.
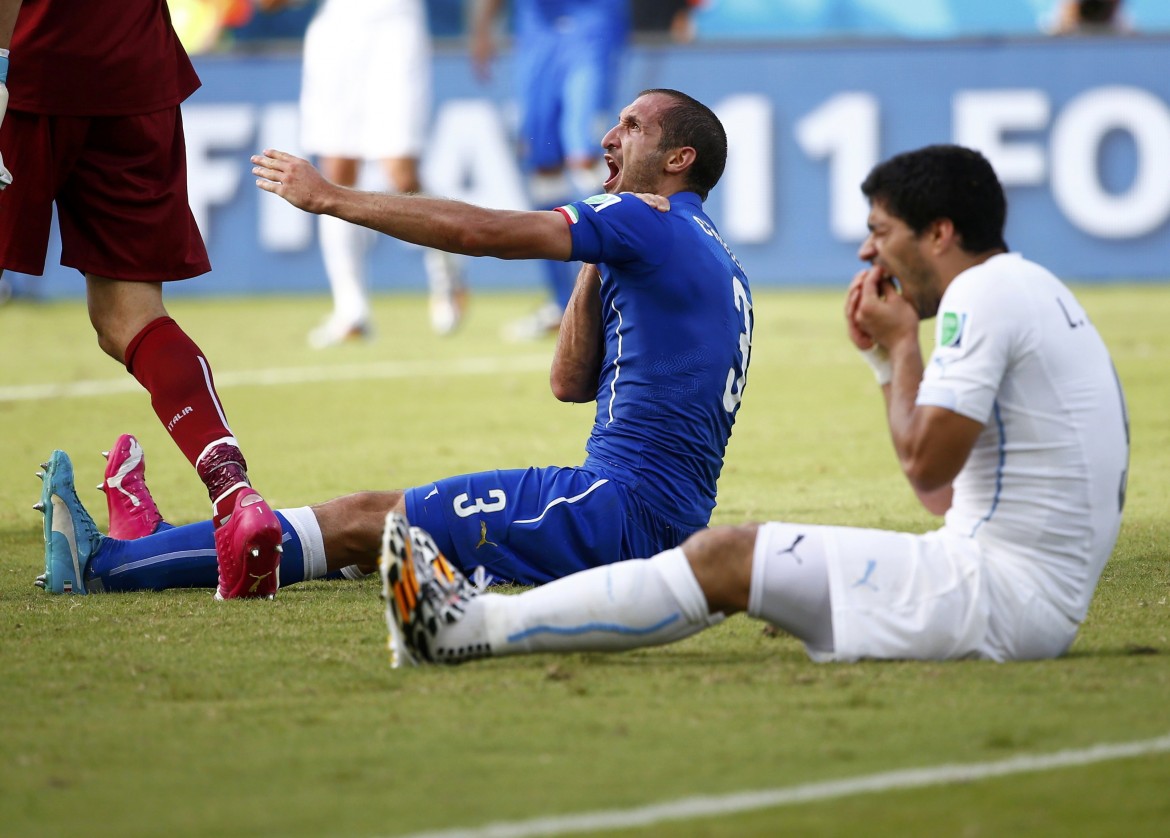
120,184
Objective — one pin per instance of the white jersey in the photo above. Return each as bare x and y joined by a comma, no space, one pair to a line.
372,9
1043,488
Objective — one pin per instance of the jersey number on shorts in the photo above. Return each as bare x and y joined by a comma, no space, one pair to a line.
733,392
496,501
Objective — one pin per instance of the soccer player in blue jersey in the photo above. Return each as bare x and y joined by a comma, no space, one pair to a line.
566,55
658,332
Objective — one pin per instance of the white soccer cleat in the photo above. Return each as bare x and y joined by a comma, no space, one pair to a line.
542,323
335,332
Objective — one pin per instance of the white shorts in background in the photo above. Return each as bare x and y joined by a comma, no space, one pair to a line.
366,86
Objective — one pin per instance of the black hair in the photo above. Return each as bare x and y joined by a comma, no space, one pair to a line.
943,181
688,122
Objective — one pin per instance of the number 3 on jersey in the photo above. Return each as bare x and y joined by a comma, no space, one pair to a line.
495,502
733,392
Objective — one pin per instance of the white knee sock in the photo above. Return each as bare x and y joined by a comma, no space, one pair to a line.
343,248
645,602
444,271
308,531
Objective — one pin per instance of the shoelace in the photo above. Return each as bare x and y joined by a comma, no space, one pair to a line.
480,579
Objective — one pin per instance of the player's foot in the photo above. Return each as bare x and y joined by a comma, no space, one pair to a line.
423,593
334,332
133,512
447,308
71,536
248,548
448,291
542,323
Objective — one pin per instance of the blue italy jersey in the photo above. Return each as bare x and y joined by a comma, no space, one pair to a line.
677,319
589,18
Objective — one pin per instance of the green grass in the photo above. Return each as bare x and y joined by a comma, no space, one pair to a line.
171,714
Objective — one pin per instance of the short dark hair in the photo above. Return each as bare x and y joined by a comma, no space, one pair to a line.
688,122
943,181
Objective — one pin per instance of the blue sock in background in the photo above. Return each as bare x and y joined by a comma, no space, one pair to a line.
560,278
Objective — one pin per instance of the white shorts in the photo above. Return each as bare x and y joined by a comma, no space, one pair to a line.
936,596
366,85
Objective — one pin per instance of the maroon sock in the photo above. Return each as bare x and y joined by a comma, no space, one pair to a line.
182,391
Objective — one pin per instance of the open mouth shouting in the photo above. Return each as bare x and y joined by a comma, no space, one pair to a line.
614,173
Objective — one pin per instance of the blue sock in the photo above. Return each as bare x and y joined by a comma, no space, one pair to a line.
179,557
560,278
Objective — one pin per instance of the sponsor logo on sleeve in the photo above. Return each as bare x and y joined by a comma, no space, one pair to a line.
600,202
950,329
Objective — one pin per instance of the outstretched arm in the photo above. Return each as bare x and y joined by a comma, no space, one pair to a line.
442,224
577,360
932,443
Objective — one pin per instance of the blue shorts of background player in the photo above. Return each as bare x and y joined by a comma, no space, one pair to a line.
533,525
564,93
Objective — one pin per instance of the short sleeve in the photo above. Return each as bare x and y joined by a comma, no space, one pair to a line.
617,230
975,336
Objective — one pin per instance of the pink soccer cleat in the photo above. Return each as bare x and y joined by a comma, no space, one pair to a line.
248,546
133,512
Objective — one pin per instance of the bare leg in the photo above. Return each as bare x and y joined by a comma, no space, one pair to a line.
132,327
120,310
344,248
721,560
448,291
351,527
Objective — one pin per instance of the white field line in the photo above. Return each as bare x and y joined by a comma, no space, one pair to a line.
708,806
291,375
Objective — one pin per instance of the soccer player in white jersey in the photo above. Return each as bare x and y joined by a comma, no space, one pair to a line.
366,95
1015,429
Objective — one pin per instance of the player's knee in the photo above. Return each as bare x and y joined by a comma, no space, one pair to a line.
110,344
351,527
402,175
114,335
721,559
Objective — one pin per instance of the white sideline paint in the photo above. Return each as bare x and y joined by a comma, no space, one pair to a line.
292,375
729,804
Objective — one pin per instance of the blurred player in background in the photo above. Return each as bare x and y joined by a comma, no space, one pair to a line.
1090,17
366,95
566,55
673,18
657,333
94,126
200,24
1016,430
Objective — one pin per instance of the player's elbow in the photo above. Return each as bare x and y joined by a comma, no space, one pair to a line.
568,389
475,239
925,477
937,502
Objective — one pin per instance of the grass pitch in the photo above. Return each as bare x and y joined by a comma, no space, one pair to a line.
169,713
